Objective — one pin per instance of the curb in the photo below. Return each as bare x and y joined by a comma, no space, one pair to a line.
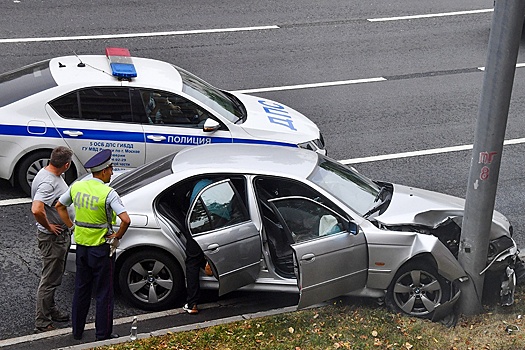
125,338
194,326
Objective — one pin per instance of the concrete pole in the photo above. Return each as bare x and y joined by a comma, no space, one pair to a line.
503,46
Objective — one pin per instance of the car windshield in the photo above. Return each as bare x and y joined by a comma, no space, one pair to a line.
24,82
143,175
226,105
350,187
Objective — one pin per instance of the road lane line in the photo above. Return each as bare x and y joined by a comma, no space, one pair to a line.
313,85
136,35
14,201
430,15
518,65
422,152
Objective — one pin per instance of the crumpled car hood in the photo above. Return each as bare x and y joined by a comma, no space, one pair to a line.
415,206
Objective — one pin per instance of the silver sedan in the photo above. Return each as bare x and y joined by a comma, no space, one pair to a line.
288,219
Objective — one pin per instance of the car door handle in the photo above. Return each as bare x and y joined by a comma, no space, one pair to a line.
156,138
213,247
308,257
73,133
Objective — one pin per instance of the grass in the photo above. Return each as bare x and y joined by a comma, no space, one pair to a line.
352,324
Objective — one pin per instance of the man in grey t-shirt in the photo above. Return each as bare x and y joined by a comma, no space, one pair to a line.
53,236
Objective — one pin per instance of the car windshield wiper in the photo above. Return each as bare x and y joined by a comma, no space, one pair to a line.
377,207
380,193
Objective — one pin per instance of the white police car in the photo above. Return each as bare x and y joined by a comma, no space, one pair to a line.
139,108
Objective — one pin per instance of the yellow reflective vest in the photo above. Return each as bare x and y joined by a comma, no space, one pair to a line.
93,215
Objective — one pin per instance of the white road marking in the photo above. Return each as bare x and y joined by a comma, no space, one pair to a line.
422,152
5,202
136,35
518,65
313,85
430,15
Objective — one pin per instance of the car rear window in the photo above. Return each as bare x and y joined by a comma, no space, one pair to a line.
24,82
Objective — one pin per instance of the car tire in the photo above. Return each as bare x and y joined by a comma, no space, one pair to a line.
417,289
151,280
32,164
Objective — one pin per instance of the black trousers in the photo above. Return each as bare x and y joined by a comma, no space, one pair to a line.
194,263
95,270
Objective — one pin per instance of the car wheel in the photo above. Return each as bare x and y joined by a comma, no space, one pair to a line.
416,290
32,164
151,280
29,167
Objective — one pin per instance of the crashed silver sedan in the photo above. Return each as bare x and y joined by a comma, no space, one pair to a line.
288,219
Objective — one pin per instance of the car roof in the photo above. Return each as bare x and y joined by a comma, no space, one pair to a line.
95,70
246,159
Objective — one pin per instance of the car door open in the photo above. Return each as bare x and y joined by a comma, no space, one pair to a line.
220,224
331,255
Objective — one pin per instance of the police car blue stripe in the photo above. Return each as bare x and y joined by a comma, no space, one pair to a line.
127,136
110,135
27,130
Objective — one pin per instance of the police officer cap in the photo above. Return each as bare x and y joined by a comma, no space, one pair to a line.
99,161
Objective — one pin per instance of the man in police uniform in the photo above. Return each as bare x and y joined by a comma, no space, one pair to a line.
96,206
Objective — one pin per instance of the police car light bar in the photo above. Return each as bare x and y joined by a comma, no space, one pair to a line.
120,62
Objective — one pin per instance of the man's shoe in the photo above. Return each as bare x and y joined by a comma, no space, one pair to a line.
45,329
60,317
77,337
193,310
111,336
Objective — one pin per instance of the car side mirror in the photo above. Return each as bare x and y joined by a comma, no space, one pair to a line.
351,227
210,125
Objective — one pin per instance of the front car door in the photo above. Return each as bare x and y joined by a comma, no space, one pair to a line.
331,254
219,222
172,122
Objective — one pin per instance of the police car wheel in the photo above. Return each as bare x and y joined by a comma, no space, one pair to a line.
151,280
29,167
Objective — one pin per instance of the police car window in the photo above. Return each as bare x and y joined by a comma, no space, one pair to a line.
216,207
97,104
226,105
167,109
24,82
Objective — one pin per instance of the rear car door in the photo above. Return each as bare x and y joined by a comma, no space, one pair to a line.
96,118
331,254
220,224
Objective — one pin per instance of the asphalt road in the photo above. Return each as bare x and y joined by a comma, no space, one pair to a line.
428,100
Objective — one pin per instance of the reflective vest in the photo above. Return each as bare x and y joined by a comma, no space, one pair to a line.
93,215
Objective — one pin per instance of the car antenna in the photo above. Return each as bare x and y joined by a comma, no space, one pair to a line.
80,63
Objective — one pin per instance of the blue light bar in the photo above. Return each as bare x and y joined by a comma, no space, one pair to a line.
120,62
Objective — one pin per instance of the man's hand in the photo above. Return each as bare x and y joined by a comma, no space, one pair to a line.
56,229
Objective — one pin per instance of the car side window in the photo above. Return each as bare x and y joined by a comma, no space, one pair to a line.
308,219
168,109
217,206
97,104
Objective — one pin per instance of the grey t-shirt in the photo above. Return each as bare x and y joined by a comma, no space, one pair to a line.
47,188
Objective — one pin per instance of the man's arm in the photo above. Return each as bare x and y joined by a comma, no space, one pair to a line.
125,221
64,215
39,212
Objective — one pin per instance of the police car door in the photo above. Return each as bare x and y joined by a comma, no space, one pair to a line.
220,223
172,122
97,118
331,254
